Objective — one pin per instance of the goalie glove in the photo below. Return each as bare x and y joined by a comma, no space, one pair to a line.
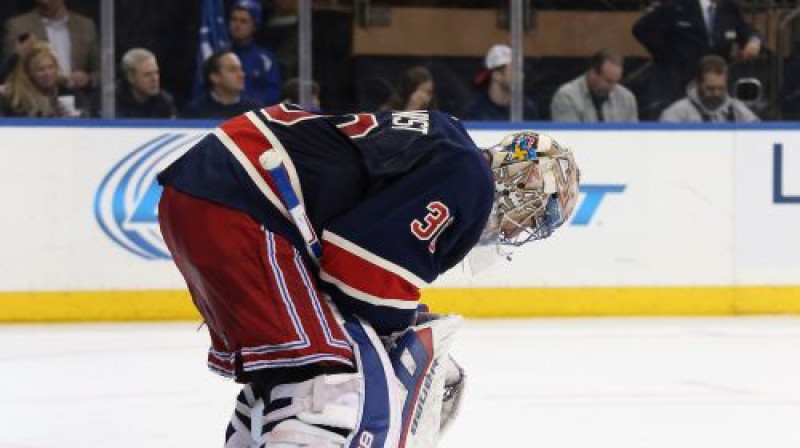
454,382
454,376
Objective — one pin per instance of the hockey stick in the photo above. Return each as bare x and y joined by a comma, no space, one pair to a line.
271,161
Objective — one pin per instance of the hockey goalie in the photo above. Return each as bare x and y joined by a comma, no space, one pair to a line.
304,241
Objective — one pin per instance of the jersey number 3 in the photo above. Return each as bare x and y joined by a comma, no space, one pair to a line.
437,219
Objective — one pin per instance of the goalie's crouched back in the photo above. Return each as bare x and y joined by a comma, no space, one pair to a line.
406,391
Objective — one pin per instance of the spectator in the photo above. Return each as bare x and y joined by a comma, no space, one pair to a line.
139,93
291,94
224,81
494,101
33,87
73,39
596,95
23,43
707,98
261,68
415,91
678,33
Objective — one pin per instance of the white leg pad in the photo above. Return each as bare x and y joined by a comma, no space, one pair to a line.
366,404
298,434
330,400
249,407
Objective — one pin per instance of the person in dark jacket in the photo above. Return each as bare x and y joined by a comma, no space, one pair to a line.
139,94
678,33
494,101
224,81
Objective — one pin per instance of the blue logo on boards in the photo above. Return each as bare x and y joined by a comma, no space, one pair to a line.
126,202
593,196
778,195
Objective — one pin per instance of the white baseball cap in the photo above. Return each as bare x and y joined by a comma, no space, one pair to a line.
498,56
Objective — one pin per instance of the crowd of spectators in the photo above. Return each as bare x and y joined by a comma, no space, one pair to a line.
70,38
679,33
50,68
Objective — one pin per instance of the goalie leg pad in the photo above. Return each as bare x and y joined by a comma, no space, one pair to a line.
347,410
327,400
421,362
244,429
297,433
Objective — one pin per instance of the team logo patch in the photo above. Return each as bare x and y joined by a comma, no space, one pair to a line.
126,202
433,224
523,147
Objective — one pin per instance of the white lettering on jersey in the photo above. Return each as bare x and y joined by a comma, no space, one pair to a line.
366,439
415,120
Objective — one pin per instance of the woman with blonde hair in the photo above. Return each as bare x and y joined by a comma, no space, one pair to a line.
33,87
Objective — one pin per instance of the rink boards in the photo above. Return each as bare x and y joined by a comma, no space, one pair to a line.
672,220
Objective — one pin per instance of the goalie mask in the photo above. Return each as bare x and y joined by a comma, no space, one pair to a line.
536,187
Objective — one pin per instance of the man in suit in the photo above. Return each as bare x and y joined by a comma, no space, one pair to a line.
597,95
72,36
678,33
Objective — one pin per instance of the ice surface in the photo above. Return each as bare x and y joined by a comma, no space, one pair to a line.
550,383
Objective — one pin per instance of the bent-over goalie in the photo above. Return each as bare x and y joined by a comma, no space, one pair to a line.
304,241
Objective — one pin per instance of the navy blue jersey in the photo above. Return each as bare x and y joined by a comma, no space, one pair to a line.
397,197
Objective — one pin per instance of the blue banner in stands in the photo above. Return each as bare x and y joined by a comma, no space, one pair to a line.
213,36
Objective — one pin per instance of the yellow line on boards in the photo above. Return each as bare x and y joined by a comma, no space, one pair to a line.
608,301
153,305
74,306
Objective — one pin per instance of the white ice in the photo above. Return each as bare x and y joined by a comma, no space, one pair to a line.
550,383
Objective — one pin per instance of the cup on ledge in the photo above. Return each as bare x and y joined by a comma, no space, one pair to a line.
68,103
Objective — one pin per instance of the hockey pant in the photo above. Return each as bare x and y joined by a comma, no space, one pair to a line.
259,299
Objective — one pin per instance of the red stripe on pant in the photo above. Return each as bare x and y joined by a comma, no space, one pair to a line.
260,302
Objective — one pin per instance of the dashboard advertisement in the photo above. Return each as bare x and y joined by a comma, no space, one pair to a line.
658,207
